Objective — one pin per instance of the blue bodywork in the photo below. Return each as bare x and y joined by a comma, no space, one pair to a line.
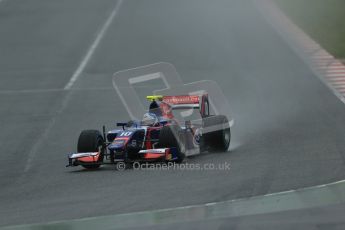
130,139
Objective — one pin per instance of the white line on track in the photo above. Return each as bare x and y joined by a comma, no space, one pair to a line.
93,46
63,104
331,80
40,91
337,76
323,56
336,84
340,87
336,70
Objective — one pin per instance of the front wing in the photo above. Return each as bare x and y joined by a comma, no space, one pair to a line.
90,158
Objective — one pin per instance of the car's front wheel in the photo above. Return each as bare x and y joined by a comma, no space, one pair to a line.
90,141
170,137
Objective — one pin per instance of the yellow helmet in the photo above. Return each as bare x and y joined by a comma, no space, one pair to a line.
154,97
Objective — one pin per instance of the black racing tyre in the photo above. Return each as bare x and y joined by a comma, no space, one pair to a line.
170,136
90,141
216,134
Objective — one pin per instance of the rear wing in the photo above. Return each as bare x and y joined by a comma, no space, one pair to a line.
177,100
194,101
182,100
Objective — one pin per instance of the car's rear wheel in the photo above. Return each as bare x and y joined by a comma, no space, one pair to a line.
90,141
216,135
171,137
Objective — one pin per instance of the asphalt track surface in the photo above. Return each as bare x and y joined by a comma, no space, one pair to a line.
288,130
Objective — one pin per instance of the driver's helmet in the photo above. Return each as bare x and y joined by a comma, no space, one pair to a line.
149,119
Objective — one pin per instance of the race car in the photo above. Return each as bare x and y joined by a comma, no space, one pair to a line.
174,127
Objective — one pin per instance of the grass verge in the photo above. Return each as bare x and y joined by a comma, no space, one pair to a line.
323,20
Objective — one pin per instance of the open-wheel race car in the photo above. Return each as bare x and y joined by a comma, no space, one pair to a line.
173,128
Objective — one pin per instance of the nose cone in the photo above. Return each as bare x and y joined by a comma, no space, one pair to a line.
117,144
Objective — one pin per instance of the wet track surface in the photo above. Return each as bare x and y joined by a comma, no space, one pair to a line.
288,130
